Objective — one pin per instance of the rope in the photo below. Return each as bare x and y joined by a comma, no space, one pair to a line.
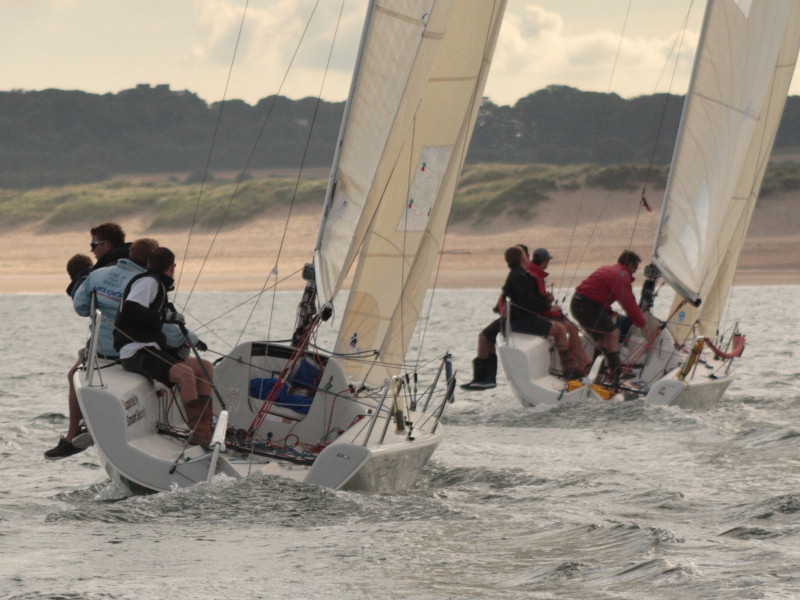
270,400
254,145
210,153
302,162
642,200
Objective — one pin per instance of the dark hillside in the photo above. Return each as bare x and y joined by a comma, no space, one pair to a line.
56,137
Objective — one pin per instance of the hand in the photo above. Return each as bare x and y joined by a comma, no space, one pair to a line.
172,316
201,345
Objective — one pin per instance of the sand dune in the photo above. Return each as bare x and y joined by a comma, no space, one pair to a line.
581,229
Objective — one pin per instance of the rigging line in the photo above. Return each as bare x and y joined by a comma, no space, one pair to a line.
361,244
595,145
266,119
245,301
679,42
619,45
464,150
211,150
410,173
299,172
583,253
589,239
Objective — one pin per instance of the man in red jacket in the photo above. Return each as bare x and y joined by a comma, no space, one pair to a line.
591,305
537,268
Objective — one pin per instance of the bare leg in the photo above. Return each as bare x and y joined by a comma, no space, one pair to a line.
576,346
201,383
195,393
559,335
612,341
183,374
485,347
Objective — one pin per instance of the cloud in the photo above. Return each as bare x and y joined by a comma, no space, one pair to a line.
276,35
534,51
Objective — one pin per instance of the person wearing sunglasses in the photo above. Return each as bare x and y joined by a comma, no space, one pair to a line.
108,244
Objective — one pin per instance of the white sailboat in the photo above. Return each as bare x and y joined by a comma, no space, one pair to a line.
342,420
743,67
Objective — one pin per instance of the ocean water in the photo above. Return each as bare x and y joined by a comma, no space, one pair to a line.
595,500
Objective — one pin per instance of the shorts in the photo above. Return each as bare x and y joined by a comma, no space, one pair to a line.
492,329
591,315
152,362
531,324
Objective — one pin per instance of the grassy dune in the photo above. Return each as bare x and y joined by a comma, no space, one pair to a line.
485,191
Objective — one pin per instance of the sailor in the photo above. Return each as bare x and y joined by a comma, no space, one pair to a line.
528,304
105,287
78,269
537,268
108,246
484,365
591,305
141,343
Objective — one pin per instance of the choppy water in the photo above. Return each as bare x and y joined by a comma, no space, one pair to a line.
603,500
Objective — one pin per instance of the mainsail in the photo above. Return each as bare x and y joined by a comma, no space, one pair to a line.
400,41
393,187
742,71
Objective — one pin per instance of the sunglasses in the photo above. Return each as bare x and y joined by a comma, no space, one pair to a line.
96,244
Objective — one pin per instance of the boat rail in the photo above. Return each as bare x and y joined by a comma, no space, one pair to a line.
377,414
91,360
395,385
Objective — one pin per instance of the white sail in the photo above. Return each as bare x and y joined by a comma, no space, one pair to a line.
416,179
743,68
401,39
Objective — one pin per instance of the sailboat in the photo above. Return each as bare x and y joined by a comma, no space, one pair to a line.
743,67
351,418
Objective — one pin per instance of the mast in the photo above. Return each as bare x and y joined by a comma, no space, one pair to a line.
343,126
307,308
663,269
417,179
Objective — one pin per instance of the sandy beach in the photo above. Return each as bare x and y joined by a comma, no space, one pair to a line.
581,229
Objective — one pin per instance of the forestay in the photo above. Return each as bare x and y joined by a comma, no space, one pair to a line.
393,187
398,47
743,68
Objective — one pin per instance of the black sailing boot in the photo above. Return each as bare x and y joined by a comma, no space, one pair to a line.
484,371
490,380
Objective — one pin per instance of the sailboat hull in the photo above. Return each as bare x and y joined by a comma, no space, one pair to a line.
533,373
139,431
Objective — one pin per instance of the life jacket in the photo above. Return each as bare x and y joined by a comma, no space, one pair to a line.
137,323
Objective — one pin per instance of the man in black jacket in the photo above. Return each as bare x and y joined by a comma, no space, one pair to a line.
138,336
527,304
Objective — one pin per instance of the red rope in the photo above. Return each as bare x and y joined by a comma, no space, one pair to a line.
269,402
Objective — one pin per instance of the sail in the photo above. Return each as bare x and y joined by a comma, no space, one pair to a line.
743,68
400,42
417,181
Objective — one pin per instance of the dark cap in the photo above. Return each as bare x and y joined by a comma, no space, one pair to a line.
540,255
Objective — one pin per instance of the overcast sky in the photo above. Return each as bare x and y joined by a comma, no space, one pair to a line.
109,45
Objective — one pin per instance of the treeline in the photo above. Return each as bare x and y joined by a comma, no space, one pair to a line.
55,137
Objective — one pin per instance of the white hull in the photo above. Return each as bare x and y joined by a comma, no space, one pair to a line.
532,370
126,415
